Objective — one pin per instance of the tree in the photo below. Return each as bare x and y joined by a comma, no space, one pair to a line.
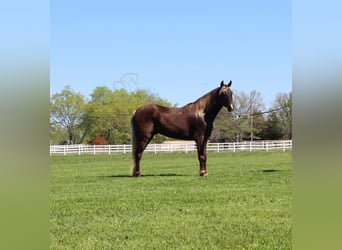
248,124
272,130
283,102
106,115
66,109
57,134
101,95
224,129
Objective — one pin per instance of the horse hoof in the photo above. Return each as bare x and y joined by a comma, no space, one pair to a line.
204,173
137,174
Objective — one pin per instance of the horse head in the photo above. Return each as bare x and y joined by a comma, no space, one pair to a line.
226,96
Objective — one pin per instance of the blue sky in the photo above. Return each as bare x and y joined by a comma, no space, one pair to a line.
177,49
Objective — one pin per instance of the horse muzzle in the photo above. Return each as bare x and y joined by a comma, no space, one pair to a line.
230,107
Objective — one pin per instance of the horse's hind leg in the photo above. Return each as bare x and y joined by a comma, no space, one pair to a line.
137,155
142,134
136,164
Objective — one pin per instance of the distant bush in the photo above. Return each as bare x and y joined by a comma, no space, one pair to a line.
98,140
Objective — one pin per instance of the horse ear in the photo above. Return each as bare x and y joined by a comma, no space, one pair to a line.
222,83
230,83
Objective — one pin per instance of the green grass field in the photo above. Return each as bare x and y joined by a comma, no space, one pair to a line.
245,203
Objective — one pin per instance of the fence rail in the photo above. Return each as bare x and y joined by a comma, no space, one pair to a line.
250,146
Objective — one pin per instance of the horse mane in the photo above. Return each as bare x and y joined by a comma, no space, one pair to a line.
204,103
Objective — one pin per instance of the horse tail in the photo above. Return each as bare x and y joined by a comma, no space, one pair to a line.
133,143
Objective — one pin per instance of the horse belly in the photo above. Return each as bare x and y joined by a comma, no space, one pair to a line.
173,126
179,127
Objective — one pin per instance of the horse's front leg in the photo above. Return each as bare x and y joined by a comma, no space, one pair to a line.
202,156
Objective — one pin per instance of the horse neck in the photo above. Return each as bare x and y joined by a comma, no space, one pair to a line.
209,104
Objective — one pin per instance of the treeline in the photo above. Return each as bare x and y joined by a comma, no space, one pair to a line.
105,117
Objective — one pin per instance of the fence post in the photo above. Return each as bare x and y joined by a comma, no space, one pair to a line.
65,146
94,150
266,146
234,147
124,148
250,146
79,149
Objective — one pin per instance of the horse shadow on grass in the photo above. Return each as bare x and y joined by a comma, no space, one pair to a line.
270,170
143,175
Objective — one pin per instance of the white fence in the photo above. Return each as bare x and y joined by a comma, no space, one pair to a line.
250,146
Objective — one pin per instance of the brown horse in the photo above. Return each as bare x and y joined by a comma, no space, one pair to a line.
194,121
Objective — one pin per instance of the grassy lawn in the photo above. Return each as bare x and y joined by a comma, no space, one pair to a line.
245,203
